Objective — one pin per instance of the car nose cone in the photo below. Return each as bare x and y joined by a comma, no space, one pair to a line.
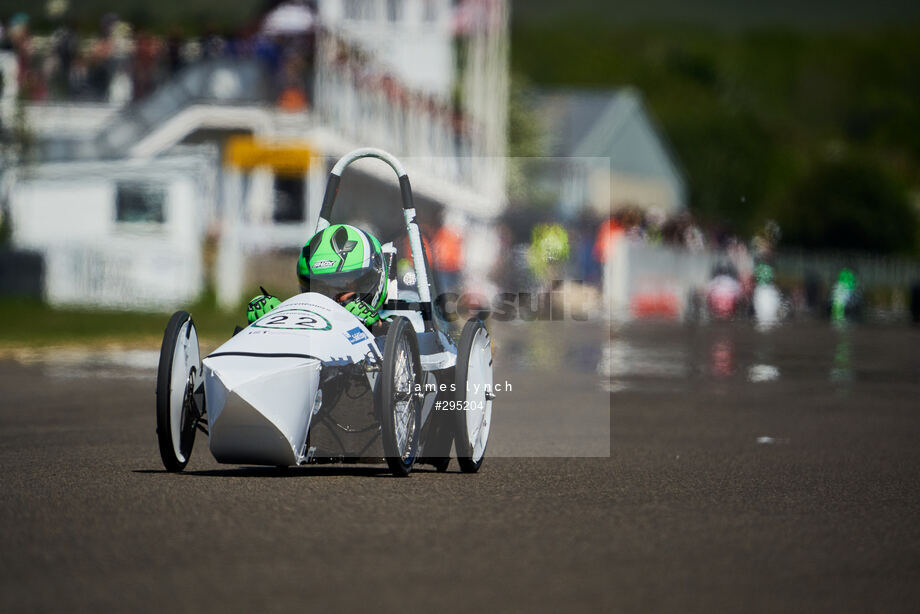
259,407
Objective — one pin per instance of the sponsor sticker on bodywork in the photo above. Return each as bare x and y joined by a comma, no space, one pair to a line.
355,335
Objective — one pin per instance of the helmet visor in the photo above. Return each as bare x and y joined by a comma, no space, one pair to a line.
363,282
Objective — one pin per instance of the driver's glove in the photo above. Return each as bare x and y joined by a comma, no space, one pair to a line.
260,305
363,311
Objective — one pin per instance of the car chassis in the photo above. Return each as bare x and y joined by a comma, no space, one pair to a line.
308,382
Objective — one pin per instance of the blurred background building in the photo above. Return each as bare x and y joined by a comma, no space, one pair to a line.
619,157
639,153
146,167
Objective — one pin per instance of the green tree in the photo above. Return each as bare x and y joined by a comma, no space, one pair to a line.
850,205
750,111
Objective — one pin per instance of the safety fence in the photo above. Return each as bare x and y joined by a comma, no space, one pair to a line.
873,271
642,280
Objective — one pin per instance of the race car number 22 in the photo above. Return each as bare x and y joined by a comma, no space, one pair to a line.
293,319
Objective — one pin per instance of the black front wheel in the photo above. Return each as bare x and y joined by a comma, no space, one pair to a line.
178,375
399,399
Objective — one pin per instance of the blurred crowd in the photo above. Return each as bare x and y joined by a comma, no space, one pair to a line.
550,250
121,62
538,254
548,255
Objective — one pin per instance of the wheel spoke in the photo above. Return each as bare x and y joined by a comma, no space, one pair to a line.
403,408
401,401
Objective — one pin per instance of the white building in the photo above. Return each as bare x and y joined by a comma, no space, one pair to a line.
121,234
131,192
415,37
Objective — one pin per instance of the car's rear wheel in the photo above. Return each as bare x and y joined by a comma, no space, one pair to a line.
473,397
399,400
178,376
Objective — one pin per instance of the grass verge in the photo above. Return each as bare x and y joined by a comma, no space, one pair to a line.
27,323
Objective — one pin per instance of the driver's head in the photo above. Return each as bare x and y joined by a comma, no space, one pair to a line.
344,263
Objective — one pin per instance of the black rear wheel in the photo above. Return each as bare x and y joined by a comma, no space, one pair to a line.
473,396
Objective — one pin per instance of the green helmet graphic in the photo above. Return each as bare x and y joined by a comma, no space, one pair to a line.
341,259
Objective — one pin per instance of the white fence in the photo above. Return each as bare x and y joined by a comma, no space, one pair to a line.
872,270
146,275
642,279
649,280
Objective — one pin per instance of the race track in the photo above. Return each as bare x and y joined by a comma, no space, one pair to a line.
721,469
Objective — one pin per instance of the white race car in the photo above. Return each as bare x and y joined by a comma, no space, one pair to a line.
309,382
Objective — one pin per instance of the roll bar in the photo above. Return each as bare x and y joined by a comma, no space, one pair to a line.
415,237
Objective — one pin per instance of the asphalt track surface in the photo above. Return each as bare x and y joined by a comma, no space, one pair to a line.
746,472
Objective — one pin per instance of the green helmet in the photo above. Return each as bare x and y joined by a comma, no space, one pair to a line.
341,259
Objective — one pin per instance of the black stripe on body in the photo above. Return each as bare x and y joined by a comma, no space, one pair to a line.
261,355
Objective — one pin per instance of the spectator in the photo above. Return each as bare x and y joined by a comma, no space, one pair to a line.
144,64
65,49
586,267
448,253
607,236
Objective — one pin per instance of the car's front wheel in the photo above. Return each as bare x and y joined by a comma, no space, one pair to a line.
178,375
399,398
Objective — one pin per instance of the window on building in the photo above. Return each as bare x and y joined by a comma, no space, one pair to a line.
140,202
430,11
352,9
289,199
359,9
395,10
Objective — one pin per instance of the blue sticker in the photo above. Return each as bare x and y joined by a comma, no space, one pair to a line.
356,335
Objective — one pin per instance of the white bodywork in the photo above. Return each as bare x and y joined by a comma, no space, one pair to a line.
261,385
